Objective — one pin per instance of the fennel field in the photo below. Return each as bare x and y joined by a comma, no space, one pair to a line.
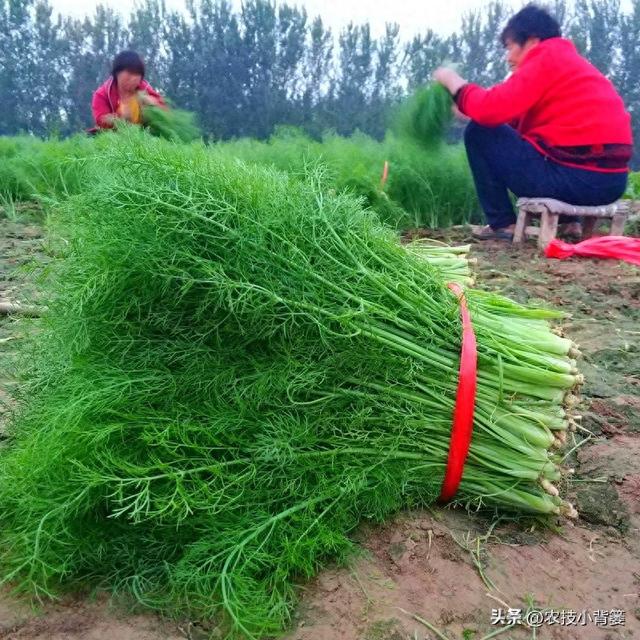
440,573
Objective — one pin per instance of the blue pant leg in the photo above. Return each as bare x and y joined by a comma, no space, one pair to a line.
502,161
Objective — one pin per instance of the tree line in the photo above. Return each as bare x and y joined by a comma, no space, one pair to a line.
244,71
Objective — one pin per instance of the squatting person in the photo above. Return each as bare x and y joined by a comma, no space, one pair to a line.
556,128
124,92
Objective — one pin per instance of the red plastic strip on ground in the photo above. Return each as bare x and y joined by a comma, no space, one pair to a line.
465,402
616,247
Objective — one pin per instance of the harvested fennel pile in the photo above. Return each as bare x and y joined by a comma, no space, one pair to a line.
236,369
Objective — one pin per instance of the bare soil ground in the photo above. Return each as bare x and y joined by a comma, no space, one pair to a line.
441,573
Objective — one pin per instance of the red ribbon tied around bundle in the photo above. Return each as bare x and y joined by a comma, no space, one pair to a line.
616,247
463,412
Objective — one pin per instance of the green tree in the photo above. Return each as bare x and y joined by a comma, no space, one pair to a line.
146,36
181,67
354,80
385,90
208,68
422,55
478,45
259,39
595,29
16,64
46,73
318,74
627,68
92,45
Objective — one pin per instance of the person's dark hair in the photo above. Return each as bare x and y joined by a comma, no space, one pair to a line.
127,61
530,22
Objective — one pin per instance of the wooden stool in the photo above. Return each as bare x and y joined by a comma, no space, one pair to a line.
549,210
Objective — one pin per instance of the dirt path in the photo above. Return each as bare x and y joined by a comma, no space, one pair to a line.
449,569
20,244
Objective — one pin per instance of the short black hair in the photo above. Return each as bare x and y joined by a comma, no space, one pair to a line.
532,21
127,61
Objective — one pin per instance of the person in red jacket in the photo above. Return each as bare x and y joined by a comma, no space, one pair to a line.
555,128
123,94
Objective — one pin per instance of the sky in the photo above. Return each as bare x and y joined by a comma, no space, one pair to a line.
413,16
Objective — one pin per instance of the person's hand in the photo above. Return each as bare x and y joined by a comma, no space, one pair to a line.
124,111
458,114
108,120
146,99
449,78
